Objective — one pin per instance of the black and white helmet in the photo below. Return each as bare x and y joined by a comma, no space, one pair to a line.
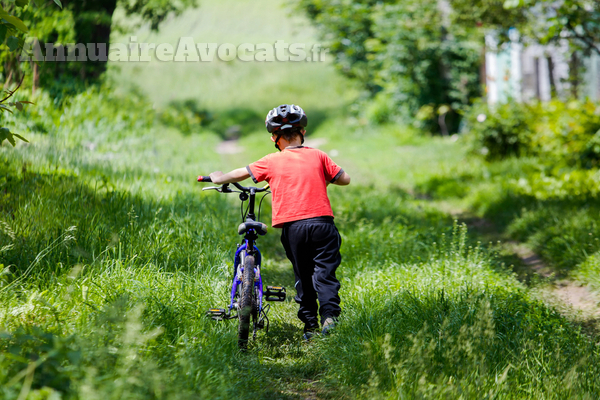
286,116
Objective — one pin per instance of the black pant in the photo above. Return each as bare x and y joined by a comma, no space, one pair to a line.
313,247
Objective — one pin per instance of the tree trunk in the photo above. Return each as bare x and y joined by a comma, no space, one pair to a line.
551,76
574,75
538,89
93,21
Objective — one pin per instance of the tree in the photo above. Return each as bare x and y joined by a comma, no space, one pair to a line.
576,22
83,22
545,21
93,20
12,30
404,53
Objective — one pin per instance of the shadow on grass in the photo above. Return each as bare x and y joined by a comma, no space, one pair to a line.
39,207
471,333
564,231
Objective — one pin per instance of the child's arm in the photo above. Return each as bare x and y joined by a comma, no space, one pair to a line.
343,180
236,175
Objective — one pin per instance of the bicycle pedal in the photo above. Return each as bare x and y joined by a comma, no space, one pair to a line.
275,293
216,313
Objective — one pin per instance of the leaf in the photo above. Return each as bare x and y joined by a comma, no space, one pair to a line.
19,106
5,134
508,4
4,108
3,30
26,102
14,21
58,2
20,137
22,3
12,43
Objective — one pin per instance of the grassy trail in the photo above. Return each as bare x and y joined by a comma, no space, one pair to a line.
110,253
114,308
575,299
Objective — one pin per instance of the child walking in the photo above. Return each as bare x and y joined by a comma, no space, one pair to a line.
298,177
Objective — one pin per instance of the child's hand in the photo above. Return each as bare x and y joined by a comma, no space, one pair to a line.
236,175
215,176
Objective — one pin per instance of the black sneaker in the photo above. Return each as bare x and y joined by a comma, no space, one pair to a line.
309,332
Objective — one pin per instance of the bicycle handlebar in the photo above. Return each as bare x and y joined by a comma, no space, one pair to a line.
225,187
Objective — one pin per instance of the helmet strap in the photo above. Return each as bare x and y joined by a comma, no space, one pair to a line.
277,141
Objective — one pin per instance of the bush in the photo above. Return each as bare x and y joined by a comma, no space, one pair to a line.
564,133
236,122
567,132
186,116
499,131
403,49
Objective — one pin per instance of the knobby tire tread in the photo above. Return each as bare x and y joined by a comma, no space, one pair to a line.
246,302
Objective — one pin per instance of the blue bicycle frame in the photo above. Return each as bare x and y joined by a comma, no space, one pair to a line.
251,229
239,271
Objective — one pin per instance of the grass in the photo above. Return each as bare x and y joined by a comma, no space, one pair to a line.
220,85
110,253
552,209
109,266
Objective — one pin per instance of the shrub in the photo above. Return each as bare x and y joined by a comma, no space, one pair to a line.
186,115
499,131
564,133
236,122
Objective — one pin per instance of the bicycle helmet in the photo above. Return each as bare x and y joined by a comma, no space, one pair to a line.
284,117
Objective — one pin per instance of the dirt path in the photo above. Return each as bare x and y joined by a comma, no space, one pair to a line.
568,296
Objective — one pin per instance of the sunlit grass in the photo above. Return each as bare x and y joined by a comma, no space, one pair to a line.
254,85
114,307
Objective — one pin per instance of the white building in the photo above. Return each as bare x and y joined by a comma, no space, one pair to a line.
530,72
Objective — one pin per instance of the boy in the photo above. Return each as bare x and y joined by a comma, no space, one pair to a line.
298,177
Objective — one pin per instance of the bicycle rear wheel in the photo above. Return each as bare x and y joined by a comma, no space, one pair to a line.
247,302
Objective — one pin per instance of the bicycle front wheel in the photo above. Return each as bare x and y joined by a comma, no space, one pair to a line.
247,302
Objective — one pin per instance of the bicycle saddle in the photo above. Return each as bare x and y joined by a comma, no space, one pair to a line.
258,227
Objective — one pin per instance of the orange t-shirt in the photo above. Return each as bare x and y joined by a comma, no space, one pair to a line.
298,179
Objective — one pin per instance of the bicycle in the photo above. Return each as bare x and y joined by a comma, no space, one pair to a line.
247,293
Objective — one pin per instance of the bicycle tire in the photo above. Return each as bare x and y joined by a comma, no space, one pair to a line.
246,303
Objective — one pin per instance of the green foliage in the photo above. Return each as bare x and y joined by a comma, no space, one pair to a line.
539,200
110,256
564,233
589,271
155,11
499,15
499,131
186,116
235,122
77,22
562,133
544,21
405,50
568,132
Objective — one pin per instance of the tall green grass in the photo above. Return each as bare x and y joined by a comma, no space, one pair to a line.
108,266
554,209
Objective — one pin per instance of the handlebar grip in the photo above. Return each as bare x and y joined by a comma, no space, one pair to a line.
204,179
